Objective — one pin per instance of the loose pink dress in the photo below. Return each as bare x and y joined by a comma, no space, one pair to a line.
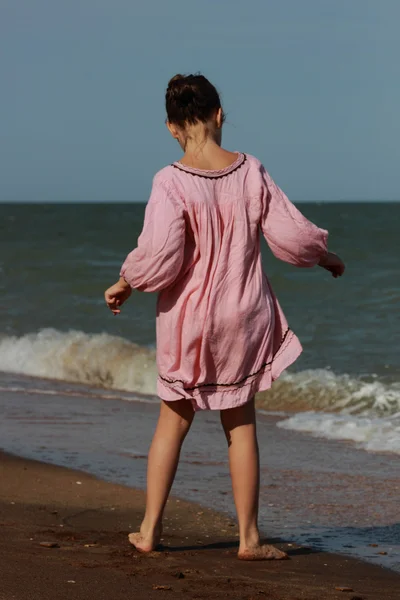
221,334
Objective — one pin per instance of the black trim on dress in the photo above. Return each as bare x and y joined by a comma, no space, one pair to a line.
200,385
187,170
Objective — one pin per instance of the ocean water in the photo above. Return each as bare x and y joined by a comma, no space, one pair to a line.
57,260
77,385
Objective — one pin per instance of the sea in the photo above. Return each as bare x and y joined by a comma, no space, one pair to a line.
78,385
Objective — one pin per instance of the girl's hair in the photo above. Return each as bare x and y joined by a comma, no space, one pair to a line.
191,99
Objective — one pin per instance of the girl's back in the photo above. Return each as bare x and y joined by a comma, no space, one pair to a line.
200,249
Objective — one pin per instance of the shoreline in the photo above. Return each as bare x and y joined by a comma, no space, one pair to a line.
312,491
89,521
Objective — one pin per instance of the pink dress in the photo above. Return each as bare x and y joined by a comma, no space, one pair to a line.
221,334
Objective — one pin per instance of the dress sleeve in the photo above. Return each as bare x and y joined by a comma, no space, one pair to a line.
291,237
156,262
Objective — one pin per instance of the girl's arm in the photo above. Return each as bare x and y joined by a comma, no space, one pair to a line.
157,260
291,237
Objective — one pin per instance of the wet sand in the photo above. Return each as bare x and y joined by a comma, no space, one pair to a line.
320,493
89,522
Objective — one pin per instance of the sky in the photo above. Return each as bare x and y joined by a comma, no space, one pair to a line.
310,87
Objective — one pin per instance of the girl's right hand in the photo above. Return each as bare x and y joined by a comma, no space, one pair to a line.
116,295
332,263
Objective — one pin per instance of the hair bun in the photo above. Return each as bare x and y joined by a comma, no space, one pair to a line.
175,79
182,89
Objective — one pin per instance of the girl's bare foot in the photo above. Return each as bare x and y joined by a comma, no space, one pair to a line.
146,540
261,552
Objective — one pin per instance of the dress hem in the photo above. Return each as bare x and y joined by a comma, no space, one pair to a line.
237,394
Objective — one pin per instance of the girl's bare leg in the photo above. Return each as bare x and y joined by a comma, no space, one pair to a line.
240,429
173,424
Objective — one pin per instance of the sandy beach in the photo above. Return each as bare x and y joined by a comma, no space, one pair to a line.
88,519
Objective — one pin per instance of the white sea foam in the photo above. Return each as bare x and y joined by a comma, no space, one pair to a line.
374,434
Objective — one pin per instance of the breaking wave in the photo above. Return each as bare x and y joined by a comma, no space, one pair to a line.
92,359
320,402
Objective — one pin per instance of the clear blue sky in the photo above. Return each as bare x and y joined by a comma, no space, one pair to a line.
311,87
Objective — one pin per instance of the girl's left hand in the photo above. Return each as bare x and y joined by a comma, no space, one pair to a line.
116,295
332,263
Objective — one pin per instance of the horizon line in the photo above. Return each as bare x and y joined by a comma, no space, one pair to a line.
302,201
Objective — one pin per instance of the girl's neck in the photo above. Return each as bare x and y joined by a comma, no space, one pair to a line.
207,155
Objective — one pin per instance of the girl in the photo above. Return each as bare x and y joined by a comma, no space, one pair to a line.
221,334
